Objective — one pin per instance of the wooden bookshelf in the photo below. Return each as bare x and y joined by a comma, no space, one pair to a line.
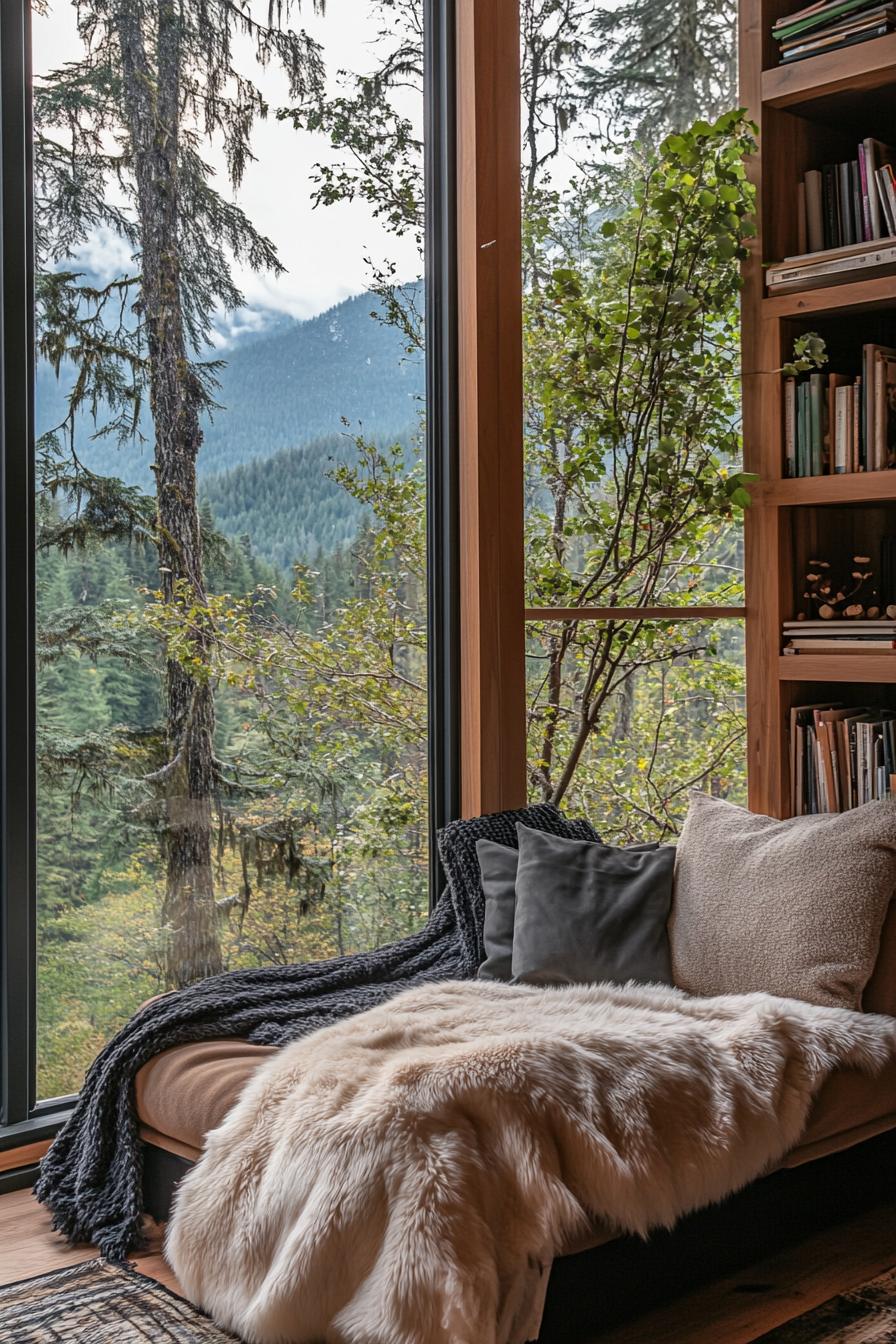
812,112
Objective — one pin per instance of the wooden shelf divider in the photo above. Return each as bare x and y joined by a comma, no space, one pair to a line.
861,68
855,297
855,487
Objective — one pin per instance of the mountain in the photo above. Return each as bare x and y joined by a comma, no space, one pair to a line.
281,389
287,503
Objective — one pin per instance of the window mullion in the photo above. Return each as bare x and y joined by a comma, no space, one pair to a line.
16,579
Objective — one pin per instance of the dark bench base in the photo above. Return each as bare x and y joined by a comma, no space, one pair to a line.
605,1287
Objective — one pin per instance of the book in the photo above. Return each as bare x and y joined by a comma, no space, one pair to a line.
837,423
836,44
884,189
870,160
884,455
838,455
840,757
863,179
844,200
801,224
848,23
787,19
802,720
877,153
834,254
843,399
815,18
803,450
817,428
830,26
790,463
855,189
831,212
840,646
880,260
886,176
880,627
814,216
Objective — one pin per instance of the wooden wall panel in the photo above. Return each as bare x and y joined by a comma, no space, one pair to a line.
493,705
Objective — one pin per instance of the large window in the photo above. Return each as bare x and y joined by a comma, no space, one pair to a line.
245,506
634,203
231,747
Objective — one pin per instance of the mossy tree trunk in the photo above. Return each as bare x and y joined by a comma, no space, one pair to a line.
152,106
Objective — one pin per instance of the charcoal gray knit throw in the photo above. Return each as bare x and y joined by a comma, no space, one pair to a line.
91,1178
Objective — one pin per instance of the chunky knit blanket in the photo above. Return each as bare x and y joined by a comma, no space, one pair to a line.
408,1177
91,1178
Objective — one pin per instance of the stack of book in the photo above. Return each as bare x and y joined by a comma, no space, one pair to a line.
841,757
851,202
846,222
836,423
831,24
816,270
856,636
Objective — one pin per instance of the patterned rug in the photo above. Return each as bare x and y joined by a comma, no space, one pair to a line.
99,1303
865,1315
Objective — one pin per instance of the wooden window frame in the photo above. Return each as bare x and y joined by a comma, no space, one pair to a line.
493,614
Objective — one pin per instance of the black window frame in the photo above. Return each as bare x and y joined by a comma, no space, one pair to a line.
23,1119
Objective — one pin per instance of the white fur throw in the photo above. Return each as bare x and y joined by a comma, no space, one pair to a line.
406,1176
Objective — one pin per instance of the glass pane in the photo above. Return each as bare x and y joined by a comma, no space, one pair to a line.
636,211
231,655
668,711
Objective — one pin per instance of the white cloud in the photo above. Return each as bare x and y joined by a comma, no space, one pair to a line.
322,249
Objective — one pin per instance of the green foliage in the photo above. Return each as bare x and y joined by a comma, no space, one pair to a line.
809,353
632,349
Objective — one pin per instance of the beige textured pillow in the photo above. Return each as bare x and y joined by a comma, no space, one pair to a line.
794,908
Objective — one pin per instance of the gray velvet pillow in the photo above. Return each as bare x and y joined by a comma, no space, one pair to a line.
497,864
589,912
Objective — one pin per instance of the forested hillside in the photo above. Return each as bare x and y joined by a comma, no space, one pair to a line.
279,391
289,504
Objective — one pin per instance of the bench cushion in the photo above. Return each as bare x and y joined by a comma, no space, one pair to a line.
185,1092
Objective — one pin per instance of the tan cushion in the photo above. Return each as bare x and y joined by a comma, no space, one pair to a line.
186,1091
851,1100
880,993
793,908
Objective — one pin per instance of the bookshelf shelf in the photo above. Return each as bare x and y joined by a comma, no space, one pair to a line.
859,487
861,668
859,296
811,113
864,68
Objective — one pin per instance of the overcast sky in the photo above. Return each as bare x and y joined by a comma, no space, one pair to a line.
323,249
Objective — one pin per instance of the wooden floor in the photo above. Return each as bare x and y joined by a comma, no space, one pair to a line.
29,1246
733,1310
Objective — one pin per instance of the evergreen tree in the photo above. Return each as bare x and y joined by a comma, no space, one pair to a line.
662,64
159,80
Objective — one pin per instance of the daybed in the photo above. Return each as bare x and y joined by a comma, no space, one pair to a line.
185,1092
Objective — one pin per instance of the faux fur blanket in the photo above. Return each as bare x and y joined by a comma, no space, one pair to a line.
406,1177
